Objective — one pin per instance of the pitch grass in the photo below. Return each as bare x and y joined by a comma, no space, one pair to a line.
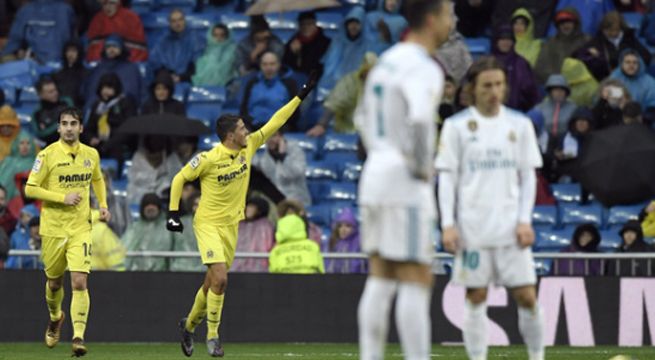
165,351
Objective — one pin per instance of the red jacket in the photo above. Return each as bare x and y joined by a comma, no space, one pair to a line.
125,23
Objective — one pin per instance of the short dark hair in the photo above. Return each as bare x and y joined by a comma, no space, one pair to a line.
224,27
415,11
43,81
225,124
72,111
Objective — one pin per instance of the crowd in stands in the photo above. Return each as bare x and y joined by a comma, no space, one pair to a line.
573,67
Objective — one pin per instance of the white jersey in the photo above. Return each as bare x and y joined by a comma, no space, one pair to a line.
486,154
403,89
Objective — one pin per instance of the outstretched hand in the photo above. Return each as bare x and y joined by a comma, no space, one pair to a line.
309,85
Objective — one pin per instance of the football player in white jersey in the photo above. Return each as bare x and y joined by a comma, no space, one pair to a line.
487,187
396,120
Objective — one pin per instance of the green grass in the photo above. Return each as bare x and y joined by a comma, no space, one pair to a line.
164,351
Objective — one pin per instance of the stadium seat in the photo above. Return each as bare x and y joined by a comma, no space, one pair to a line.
307,143
619,215
552,240
18,74
610,241
24,117
48,68
340,142
633,20
208,114
321,170
319,214
181,91
110,165
329,21
142,7
206,94
350,171
126,167
545,215
184,5
341,157
206,142
135,212
543,266
573,214
478,46
28,96
340,193
10,95
205,103
567,192
239,24
119,187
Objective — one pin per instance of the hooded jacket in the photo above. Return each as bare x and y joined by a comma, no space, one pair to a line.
177,52
247,45
20,240
294,253
395,22
255,235
117,109
345,55
216,66
648,222
641,85
263,97
559,47
16,163
45,25
526,44
582,83
71,77
576,267
170,105
349,244
632,267
127,24
548,108
148,235
8,117
128,73
573,139
45,119
593,13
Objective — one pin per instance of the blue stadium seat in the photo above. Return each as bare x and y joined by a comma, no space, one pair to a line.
567,192
110,165
206,142
543,266
207,94
142,7
28,95
330,21
307,143
610,241
340,142
205,103
478,46
239,24
135,212
24,117
340,192
126,167
10,95
633,19
350,171
341,156
18,74
119,187
207,113
319,214
573,214
619,215
184,5
545,215
321,170
552,240
48,68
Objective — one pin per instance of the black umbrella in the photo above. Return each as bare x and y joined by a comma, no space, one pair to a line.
617,165
163,124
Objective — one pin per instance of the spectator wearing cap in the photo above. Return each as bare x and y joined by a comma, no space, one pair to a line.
556,107
177,51
148,234
568,38
385,24
593,13
632,241
44,26
284,164
45,119
216,65
632,73
161,97
115,60
526,44
72,75
523,93
115,19
303,52
602,54
251,48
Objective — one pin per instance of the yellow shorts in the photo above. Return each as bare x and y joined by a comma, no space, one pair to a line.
216,244
73,252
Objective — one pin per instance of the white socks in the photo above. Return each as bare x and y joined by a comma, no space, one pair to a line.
531,326
373,317
413,320
475,330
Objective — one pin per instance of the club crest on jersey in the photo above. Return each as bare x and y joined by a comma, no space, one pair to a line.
195,162
472,125
37,165
242,159
210,254
512,136
87,163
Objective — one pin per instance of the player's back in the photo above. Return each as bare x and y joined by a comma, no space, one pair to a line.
405,82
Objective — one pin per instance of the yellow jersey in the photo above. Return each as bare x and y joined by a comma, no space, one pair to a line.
60,169
225,174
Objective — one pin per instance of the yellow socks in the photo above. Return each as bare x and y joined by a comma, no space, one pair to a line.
214,309
79,312
54,300
198,311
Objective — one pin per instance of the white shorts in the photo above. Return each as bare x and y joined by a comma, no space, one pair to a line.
509,266
405,234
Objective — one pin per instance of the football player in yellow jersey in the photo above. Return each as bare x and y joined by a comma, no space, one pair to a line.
224,172
61,177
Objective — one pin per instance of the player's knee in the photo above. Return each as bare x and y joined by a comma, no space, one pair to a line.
219,283
78,281
55,284
476,296
526,300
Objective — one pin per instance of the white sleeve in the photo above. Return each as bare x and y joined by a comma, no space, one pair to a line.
530,154
447,196
527,194
448,153
422,93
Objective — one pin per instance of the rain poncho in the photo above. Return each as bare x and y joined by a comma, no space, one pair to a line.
641,85
255,235
395,22
349,244
150,235
186,242
583,85
526,45
216,65
455,56
108,250
176,52
16,163
8,117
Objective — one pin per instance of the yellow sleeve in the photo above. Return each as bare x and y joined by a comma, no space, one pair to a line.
98,183
278,119
191,171
39,173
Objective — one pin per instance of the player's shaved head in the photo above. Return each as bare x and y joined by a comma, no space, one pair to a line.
415,11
